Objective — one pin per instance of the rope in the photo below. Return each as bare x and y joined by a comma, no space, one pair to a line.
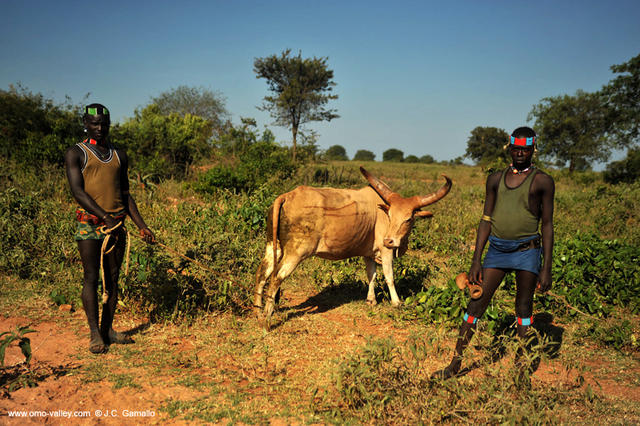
103,251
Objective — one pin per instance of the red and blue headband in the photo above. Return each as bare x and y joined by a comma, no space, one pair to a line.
523,141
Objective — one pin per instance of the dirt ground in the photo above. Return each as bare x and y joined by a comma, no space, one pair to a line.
67,384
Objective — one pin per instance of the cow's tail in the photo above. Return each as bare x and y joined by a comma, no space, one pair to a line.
277,204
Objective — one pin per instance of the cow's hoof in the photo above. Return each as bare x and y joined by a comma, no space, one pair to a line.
372,302
396,304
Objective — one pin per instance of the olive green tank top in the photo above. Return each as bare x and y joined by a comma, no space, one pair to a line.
511,218
102,179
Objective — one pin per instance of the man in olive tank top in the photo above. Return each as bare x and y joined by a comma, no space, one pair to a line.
518,199
97,175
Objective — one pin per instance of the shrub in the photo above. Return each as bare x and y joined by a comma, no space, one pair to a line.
34,130
163,145
364,155
259,163
626,170
336,152
393,154
596,274
427,159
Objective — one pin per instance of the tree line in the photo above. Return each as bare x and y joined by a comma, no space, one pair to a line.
339,153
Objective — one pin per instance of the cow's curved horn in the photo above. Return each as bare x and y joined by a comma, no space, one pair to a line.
381,188
440,193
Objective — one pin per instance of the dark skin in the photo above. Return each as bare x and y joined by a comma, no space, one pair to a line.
541,197
102,334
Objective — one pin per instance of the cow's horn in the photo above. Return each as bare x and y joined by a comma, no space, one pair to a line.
440,193
381,188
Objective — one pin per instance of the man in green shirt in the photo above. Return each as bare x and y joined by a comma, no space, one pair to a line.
517,200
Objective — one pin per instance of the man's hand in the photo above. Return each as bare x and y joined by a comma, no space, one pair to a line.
147,235
544,283
475,273
110,222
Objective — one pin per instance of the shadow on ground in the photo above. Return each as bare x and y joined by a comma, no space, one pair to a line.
547,340
351,290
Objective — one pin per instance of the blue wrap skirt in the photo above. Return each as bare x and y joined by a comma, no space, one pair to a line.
509,255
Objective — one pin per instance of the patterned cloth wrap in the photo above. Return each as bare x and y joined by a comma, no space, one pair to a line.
514,254
89,225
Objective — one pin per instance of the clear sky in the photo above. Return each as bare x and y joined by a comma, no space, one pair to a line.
412,75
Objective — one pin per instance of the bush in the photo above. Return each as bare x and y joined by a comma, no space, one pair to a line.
163,145
364,155
427,159
393,154
627,170
34,129
595,275
336,152
259,163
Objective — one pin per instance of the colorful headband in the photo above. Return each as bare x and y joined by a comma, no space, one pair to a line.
523,141
98,110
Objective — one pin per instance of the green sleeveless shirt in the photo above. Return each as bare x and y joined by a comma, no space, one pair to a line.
511,218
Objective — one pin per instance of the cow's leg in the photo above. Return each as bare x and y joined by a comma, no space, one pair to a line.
284,268
387,269
262,275
371,279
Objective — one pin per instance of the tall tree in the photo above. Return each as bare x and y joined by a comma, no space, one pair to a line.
198,101
623,96
300,87
486,144
573,129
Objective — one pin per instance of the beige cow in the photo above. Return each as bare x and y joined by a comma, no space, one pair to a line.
373,222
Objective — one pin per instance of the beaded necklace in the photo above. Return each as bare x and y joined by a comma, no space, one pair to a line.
519,172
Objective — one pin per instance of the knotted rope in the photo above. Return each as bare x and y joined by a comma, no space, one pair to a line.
105,250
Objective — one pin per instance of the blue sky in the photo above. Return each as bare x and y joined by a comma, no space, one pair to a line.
412,75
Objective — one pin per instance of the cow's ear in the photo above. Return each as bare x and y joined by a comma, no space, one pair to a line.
384,207
421,213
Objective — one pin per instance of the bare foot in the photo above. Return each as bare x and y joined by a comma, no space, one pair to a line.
96,344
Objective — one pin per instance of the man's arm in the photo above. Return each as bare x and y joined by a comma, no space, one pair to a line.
73,159
547,187
484,228
130,203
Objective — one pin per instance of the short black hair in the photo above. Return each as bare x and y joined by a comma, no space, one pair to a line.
524,132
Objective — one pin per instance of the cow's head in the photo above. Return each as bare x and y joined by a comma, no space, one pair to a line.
402,211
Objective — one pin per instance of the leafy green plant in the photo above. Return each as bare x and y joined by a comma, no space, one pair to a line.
260,162
443,305
8,337
595,274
